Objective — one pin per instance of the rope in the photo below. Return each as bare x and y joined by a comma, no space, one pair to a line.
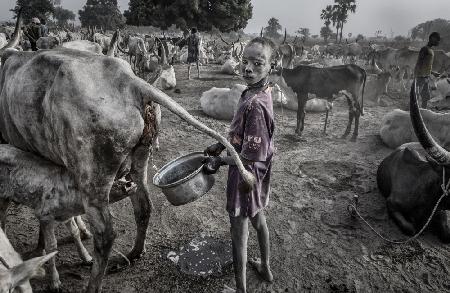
445,191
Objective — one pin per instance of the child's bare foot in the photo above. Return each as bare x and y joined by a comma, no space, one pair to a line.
263,270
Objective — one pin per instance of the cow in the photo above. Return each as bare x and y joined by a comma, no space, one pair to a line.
53,196
325,83
15,273
86,114
396,127
410,179
83,45
48,42
441,61
287,53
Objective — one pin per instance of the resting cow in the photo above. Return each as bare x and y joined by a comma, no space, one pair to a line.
410,178
396,127
86,114
325,83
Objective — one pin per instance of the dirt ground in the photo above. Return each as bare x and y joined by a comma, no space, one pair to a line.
316,245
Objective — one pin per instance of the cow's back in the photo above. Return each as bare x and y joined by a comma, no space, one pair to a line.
74,108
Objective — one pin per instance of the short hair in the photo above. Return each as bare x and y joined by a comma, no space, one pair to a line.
266,42
435,35
193,30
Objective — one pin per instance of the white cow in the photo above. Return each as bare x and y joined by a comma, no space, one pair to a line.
221,103
396,128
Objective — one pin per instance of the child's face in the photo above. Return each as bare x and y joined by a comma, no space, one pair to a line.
255,63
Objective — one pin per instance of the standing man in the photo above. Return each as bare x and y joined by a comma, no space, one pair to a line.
193,43
43,28
423,69
33,32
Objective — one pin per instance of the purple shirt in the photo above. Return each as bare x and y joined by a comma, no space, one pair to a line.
251,134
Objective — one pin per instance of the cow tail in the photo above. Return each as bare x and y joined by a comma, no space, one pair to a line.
362,95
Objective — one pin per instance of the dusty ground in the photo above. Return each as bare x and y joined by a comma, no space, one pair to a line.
316,245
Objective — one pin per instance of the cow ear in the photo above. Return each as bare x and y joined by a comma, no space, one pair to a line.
28,269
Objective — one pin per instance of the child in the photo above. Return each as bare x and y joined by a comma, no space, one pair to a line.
251,134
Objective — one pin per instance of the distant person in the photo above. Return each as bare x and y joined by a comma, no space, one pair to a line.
43,28
193,43
423,69
33,32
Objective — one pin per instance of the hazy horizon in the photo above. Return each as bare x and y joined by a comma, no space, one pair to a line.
395,17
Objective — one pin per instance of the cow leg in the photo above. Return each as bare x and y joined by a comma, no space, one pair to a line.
326,121
85,233
301,113
440,226
48,230
75,232
141,201
356,129
406,226
100,219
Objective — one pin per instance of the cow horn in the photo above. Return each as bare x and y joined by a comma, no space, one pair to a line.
224,40
262,29
14,41
285,35
163,53
113,44
438,153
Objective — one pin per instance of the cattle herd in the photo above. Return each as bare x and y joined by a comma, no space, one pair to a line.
79,121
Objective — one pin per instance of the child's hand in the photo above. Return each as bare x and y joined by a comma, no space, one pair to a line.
212,165
214,149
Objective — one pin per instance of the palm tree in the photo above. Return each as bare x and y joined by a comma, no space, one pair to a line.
341,10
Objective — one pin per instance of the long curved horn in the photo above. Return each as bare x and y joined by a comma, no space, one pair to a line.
150,93
433,149
262,29
14,41
285,35
224,40
163,53
113,44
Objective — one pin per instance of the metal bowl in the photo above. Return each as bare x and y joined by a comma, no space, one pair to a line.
183,180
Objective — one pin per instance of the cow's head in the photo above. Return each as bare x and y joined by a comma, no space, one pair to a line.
16,279
437,156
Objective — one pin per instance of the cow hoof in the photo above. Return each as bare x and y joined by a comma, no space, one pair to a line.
353,138
344,136
135,255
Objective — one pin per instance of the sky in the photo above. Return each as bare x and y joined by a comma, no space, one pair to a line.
395,17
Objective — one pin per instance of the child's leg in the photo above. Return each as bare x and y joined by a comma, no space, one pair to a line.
263,267
239,236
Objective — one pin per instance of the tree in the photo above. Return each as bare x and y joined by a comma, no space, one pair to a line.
62,16
271,30
360,37
34,8
101,13
304,32
342,9
423,30
325,33
229,15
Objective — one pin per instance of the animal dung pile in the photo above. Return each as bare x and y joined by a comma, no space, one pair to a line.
316,105
203,256
229,67
221,103
168,79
